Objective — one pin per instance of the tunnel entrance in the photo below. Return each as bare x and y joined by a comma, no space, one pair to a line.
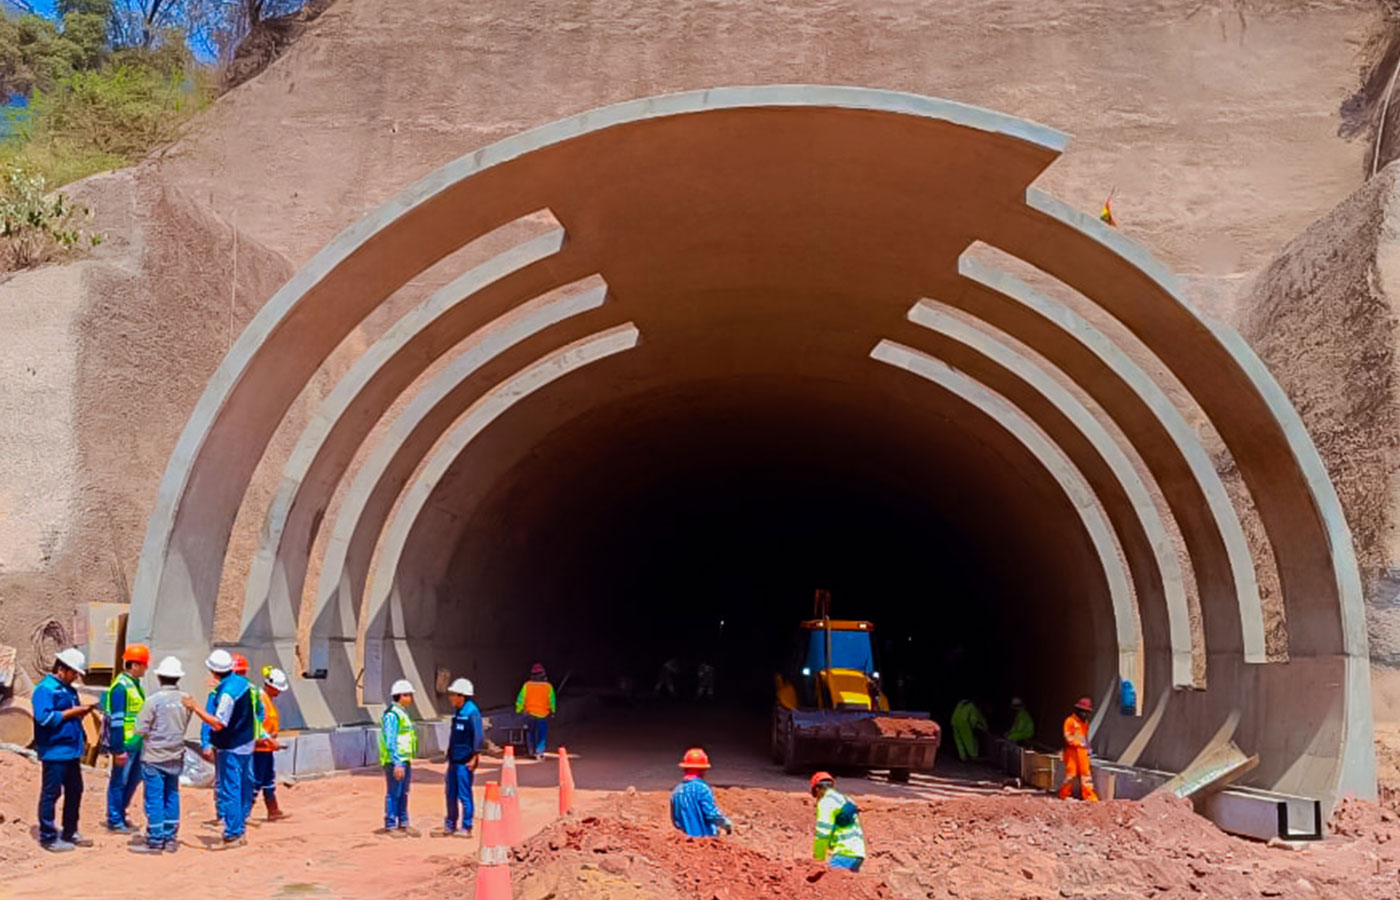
758,356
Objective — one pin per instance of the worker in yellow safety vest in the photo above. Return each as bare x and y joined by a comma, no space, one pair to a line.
121,704
537,701
840,840
398,744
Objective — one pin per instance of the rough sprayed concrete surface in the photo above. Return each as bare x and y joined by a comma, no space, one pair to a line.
103,359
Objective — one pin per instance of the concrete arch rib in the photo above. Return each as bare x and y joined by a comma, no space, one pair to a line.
329,442
1126,625
530,331
1170,447
1125,499
1282,469
384,619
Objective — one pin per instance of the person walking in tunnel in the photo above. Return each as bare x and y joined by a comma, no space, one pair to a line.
538,702
122,704
840,841
693,807
265,746
1022,725
232,735
463,753
59,742
398,745
1076,753
967,720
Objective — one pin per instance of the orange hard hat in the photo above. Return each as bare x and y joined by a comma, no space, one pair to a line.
240,664
1085,704
695,758
819,777
137,653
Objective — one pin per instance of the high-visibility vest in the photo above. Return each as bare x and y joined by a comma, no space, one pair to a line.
256,693
267,721
1076,732
135,699
536,699
838,827
407,740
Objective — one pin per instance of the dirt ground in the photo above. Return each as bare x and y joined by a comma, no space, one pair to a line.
621,846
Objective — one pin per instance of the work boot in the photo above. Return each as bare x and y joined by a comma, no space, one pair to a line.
77,840
410,831
147,847
465,832
230,843
441,832
274,812
386,830
121,828
58,845
172,845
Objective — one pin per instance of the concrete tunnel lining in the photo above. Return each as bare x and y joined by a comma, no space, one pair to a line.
765,149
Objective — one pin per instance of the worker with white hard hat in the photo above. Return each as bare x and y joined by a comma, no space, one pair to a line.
463,753
161,723
264,765
398,744
59,741
232,733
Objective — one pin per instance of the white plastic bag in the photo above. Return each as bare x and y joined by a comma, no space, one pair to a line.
196,771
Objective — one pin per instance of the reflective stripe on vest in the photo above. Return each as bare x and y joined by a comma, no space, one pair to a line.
135,699
407,739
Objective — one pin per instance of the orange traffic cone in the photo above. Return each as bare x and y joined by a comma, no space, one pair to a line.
510,800
566,783
493,872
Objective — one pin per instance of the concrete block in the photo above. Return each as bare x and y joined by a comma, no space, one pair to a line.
348,747
433,738
284,758
313,755
371,739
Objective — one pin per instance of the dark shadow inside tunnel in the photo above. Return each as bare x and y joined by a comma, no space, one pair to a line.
697,524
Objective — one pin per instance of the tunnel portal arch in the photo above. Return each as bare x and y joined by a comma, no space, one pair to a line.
769,248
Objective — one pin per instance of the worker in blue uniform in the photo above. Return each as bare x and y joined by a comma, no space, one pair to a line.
463,752
693,806
59,743
232,736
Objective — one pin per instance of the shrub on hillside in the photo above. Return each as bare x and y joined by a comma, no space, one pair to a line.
35,226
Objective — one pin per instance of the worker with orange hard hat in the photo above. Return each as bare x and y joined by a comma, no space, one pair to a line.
693,806
121,704
840,841
1076,753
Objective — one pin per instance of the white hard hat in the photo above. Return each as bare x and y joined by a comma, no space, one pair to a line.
462,686
73,658
401,686
219,662
170,668
277,679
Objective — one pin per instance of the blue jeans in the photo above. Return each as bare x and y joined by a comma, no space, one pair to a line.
121,787
851,863
459,794
162,800
537,730
235,788
396,796
62,776
264,775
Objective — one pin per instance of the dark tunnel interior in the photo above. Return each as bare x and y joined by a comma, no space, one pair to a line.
697,525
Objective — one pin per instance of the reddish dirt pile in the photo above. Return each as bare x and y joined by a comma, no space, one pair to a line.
986,848
899,727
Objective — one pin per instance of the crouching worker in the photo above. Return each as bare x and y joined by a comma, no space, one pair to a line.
161,724
398,744
840,840
693,807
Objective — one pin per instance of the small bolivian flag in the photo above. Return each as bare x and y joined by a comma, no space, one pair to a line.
1106,214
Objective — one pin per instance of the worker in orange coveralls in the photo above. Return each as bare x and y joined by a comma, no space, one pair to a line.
1076,753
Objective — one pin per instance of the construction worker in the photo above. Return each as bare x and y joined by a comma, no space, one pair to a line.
1022,726
398,744
463,754
233,733
161,724
537,701
693,806
122,704
967,720
206,750
265,742
1076,753
840,841
59,742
